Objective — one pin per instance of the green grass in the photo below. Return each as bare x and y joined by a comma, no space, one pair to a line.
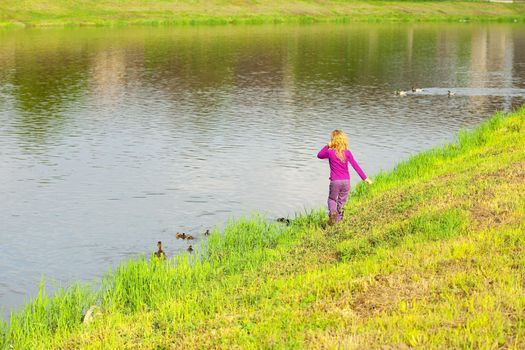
430,256
211,12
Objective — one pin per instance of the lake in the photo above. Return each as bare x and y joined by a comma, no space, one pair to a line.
113,139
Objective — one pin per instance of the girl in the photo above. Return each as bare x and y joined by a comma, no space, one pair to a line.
339,156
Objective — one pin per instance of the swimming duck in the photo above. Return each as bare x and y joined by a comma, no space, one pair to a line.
190,248
416,90
450,93
160,253
189,237
180,235
207,233
401,92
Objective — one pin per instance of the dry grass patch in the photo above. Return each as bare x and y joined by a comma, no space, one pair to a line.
387,291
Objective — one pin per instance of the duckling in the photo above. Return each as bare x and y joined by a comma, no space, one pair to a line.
450,93
207,233
416,90
189,237
190,248
401,92
160,253
284,220
180,235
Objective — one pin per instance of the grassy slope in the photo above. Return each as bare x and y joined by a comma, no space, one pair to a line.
105,12
432,256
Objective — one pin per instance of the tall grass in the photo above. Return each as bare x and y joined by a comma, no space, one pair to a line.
260,281
144,283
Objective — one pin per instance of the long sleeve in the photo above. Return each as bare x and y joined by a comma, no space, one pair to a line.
323,153
356,166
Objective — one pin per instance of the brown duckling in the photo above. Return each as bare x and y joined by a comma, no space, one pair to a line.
160,253
189,237
190,248
207,233
284,220
180,235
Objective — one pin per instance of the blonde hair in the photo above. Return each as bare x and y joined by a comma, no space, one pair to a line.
339,142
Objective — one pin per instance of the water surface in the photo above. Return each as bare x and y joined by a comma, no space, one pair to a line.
113,139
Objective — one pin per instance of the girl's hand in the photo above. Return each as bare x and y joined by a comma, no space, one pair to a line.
368,181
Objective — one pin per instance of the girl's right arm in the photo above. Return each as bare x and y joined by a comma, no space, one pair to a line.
323,153
356,166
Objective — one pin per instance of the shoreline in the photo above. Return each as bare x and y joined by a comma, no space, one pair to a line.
434,215
58,13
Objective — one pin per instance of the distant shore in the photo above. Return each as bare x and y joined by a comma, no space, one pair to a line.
33,13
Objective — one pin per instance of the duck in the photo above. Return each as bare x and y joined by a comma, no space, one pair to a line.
450,93
401,92
189,237
207,233
416,89
284,220
190,248
160,253
180,235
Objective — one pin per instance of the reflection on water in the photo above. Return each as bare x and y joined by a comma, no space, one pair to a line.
113,139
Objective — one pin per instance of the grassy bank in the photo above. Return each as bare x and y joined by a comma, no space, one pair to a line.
430,256
123,12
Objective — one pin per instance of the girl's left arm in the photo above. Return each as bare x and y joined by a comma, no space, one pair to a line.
323,153
356,166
